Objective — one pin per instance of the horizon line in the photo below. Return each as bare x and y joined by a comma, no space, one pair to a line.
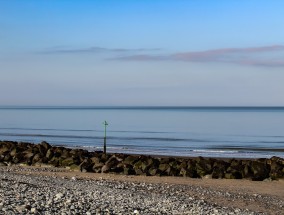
134,107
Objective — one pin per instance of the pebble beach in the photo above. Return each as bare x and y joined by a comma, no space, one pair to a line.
38,190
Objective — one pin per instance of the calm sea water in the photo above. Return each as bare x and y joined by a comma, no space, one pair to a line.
214,132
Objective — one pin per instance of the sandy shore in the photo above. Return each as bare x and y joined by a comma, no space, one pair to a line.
224,196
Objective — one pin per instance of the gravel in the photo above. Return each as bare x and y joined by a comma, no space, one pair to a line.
38,194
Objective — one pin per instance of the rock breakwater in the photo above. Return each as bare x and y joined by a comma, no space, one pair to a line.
44,154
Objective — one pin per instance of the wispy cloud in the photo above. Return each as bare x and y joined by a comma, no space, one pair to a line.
266,63
94,50
141,57
243,56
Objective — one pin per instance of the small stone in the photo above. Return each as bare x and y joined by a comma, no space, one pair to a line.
68,201
20,208
59,195
34,210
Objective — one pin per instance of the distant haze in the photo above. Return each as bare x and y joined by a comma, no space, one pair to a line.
124,53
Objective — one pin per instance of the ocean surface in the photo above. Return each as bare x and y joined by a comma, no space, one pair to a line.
238,132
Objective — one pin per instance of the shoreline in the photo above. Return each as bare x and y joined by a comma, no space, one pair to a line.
127,164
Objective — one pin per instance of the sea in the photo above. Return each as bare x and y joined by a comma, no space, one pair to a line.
231,132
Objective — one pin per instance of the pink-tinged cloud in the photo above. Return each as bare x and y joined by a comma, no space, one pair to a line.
229,55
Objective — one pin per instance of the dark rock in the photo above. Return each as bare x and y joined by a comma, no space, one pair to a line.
105,157
131,159
78,159
49,154
98,167
236,169
174,164
183,165
55,162
4,149
153,171
45,145
184,172
95,160
219,169
203,167
140,167
276,169
112,161
128,170
58,151
105,168
68,162
247,172
260,170
229,176
76,167
236,172
171,171
65,153
15,150
36,158
163,167
86,165
28,156
191,168
166,160
7,158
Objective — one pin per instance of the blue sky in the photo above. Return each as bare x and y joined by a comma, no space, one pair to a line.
184,53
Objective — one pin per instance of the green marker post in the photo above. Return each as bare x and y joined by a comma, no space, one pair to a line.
105,124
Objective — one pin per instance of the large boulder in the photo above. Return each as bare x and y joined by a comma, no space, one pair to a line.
131,159
128,170
154,171
260,170
28,156
37,158
68,162
95,160
66,153
15,150
98,167
235,169
183,164
45,145
111,165
171,171
276,169
41,149
86,165
203,167
219,169
163,167
49,154
4,149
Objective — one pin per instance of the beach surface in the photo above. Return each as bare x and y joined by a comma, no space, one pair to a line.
48,190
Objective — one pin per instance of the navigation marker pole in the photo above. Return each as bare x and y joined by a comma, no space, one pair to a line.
105,124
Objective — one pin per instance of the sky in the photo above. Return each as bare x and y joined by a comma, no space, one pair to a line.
141,53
